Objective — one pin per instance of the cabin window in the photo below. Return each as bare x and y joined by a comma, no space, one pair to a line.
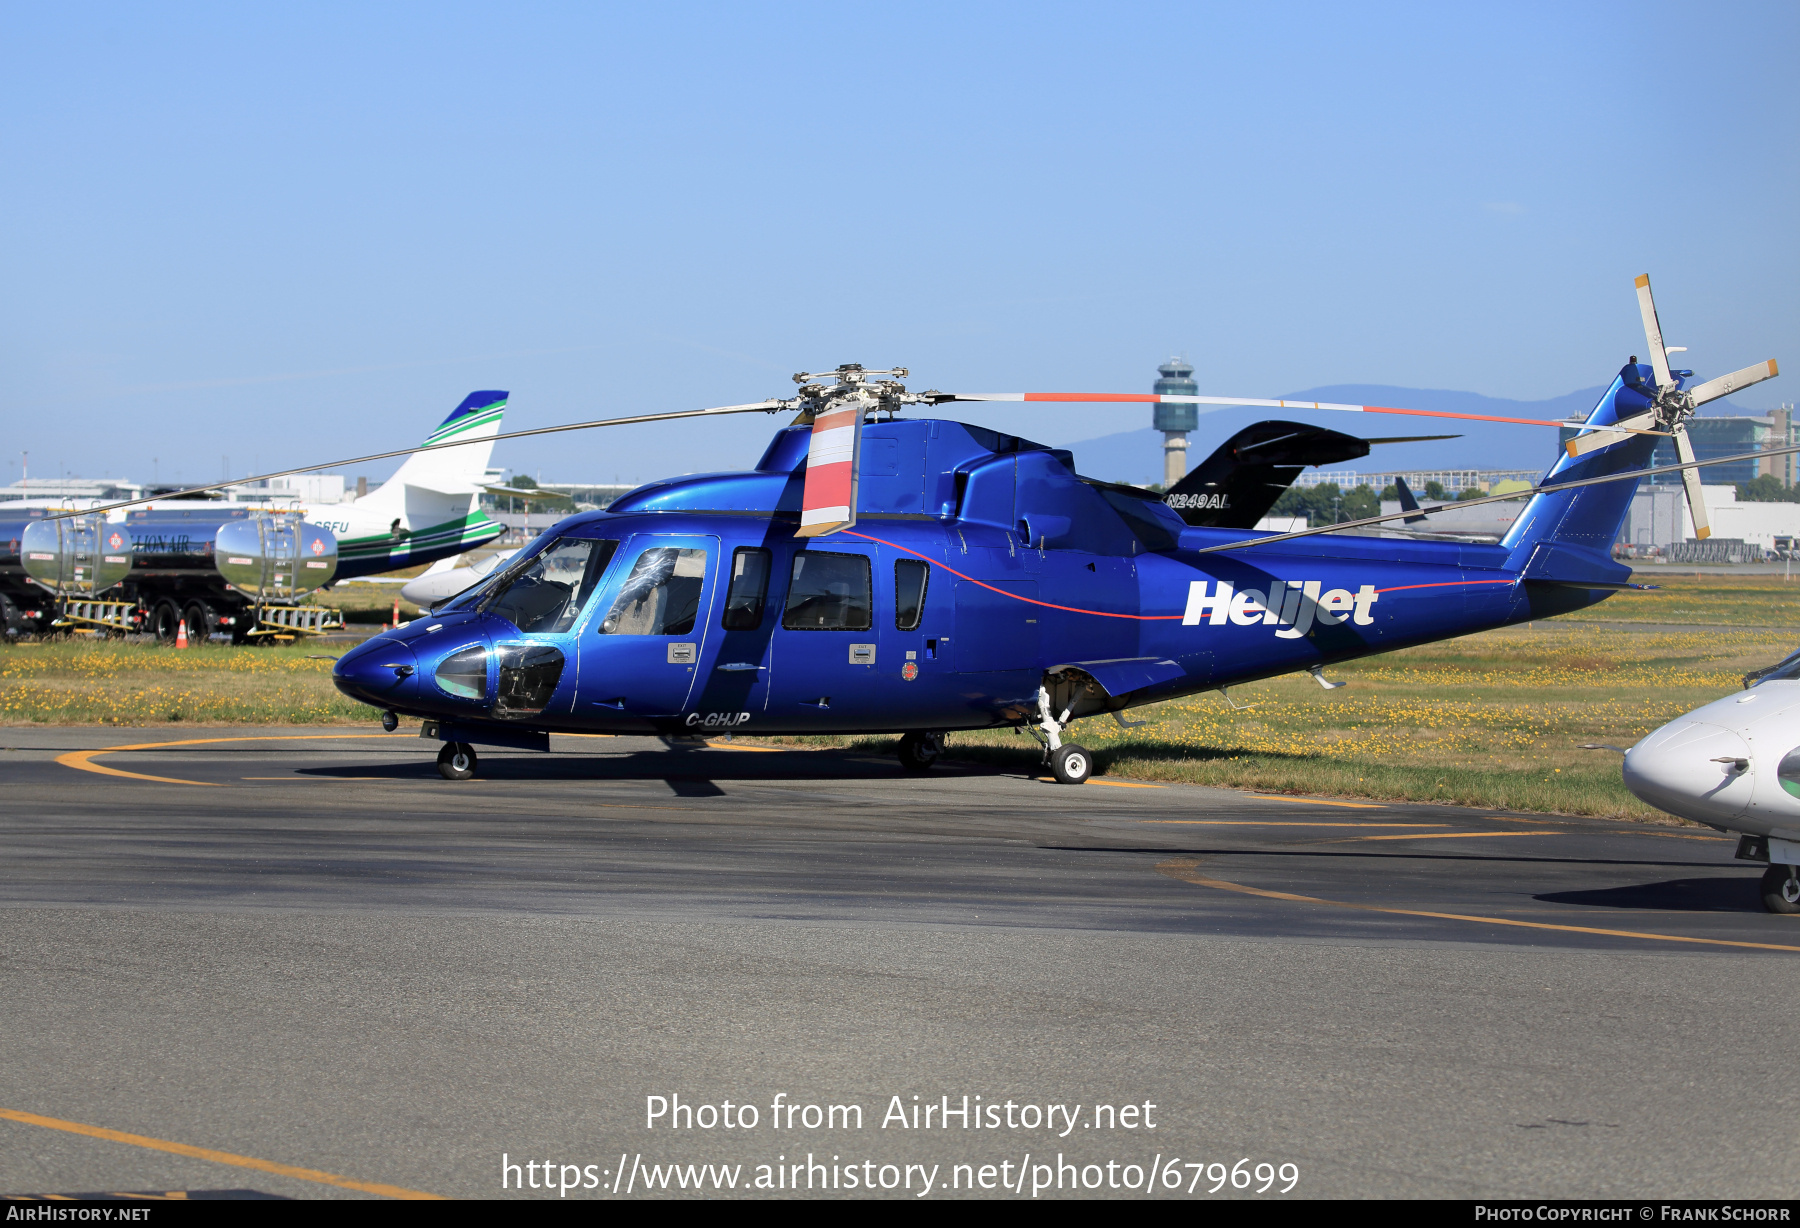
910,579
749,588
546,591
829,592
661,596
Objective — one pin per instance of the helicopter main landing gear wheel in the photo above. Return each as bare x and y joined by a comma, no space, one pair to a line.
918,751
1780,889
456,761
1071,764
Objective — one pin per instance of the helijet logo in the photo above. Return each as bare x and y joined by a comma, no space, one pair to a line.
1292,605
1221,501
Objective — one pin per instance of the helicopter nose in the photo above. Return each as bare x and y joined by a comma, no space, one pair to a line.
381,671
1693,769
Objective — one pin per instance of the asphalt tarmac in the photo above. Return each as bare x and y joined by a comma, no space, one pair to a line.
313,968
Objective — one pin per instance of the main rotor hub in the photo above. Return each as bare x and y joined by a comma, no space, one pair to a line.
853,384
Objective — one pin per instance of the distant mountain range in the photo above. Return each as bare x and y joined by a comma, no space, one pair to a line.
1136,456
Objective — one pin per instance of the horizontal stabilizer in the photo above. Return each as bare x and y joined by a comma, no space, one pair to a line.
1237,485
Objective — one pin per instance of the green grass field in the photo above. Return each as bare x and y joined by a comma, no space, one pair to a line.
1488,720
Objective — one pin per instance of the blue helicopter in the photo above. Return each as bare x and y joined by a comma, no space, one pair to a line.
875,573
880,574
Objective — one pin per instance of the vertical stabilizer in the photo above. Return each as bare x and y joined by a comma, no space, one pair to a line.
457,469
1569,534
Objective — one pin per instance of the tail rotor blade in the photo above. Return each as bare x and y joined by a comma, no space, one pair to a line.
1593,441
1690,481
1725,385
1659,354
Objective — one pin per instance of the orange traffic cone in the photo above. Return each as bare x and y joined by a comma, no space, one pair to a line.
396,611
181,639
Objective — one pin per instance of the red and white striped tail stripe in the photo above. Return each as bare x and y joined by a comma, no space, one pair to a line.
828,502
1151,398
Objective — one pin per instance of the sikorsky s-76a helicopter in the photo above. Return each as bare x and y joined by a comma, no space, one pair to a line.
879,573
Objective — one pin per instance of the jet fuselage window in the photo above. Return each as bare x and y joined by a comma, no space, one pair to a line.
829,592
547,593
910,579
749,589
661,596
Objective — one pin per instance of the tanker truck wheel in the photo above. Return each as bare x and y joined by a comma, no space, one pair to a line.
165,621
12,622
201,622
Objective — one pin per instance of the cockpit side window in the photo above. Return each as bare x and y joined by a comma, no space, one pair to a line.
749,589
829,592
549,591
661,596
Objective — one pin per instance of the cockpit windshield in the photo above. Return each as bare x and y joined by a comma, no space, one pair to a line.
547,591
1785,670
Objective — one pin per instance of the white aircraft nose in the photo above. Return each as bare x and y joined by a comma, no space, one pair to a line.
1690,768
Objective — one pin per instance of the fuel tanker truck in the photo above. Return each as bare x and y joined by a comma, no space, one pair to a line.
226,573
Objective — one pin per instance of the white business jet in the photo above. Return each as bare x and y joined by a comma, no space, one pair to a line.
448,577
1734,765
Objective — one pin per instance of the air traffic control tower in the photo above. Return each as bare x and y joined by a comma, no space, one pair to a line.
1175,421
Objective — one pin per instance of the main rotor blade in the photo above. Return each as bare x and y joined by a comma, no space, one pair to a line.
1659,354
828,496
759,406
1410,438
1151,398
1550,489
1690,481
1725,385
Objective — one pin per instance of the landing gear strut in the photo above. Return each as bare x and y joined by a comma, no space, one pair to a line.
918,751
1781,889
456,761
1069,763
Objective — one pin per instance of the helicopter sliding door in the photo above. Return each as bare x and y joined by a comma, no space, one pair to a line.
642,655
827,647
733,690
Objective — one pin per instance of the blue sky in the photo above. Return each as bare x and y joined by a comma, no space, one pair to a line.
286,234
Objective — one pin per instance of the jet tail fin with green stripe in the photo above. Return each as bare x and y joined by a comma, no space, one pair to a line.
459,449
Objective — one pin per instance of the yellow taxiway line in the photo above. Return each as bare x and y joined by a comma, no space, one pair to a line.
82,760
1457,835
1315,801
217,1157
1111,784
1185,869
1281,823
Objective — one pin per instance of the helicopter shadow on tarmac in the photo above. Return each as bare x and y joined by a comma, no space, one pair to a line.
1714,894
689,771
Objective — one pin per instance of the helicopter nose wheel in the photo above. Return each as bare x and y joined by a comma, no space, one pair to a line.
1781,889
1071,764
918,751
456,761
